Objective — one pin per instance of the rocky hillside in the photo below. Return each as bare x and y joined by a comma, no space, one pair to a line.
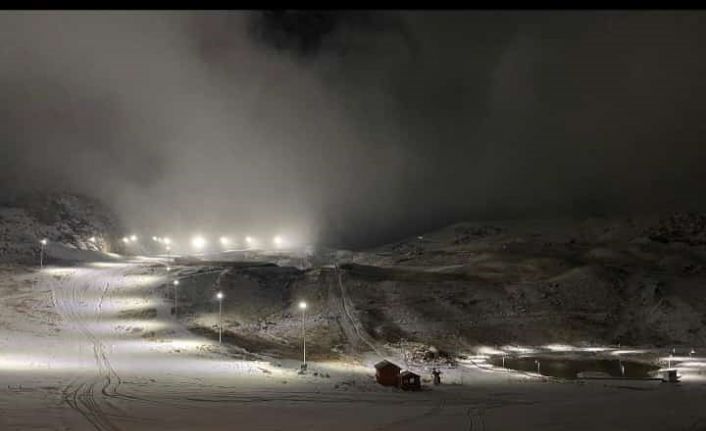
65,219
635,282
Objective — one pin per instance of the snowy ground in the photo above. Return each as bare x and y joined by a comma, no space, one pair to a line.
94,346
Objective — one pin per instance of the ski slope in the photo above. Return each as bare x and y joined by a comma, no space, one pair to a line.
94,347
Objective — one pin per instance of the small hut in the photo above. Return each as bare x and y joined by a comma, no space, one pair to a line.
409,381
386,373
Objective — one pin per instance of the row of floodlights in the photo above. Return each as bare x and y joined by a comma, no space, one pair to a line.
198,242
129,239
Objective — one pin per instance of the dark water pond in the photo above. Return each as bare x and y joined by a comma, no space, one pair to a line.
566,368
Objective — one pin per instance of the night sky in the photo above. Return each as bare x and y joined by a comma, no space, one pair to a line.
355,128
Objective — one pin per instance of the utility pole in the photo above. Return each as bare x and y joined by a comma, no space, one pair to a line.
458,353
302,306
220,317
176,296
403,347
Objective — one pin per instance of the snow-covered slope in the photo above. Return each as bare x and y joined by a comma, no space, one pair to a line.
599,281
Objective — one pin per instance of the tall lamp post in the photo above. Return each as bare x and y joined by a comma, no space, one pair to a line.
43,243
176,295
219,295
302,306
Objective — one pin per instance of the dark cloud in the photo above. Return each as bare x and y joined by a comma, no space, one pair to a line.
308,34
355,127
536,114
302,32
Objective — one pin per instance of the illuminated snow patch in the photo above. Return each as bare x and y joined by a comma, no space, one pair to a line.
139,281
129,304
107,265
18,363
693,364
477,358
690,377
627,352
484,350
560,347
594,349
185,345
126,326
203,367
59,270
344,367
518,349
677,358
131,349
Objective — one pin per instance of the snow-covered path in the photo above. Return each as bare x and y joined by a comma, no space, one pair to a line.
93,347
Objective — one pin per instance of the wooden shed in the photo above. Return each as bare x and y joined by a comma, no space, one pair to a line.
409,381
387,373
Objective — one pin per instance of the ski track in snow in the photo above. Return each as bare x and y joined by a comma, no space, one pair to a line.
80,394
347,306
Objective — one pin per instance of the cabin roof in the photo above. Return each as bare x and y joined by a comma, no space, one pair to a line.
385,364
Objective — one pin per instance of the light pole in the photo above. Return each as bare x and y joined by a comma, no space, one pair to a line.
219,295
176,284
403,348
302,306
43,243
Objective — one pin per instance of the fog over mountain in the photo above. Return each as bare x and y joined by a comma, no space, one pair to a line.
354,128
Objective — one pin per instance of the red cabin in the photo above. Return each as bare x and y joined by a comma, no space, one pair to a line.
386,373
409,381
